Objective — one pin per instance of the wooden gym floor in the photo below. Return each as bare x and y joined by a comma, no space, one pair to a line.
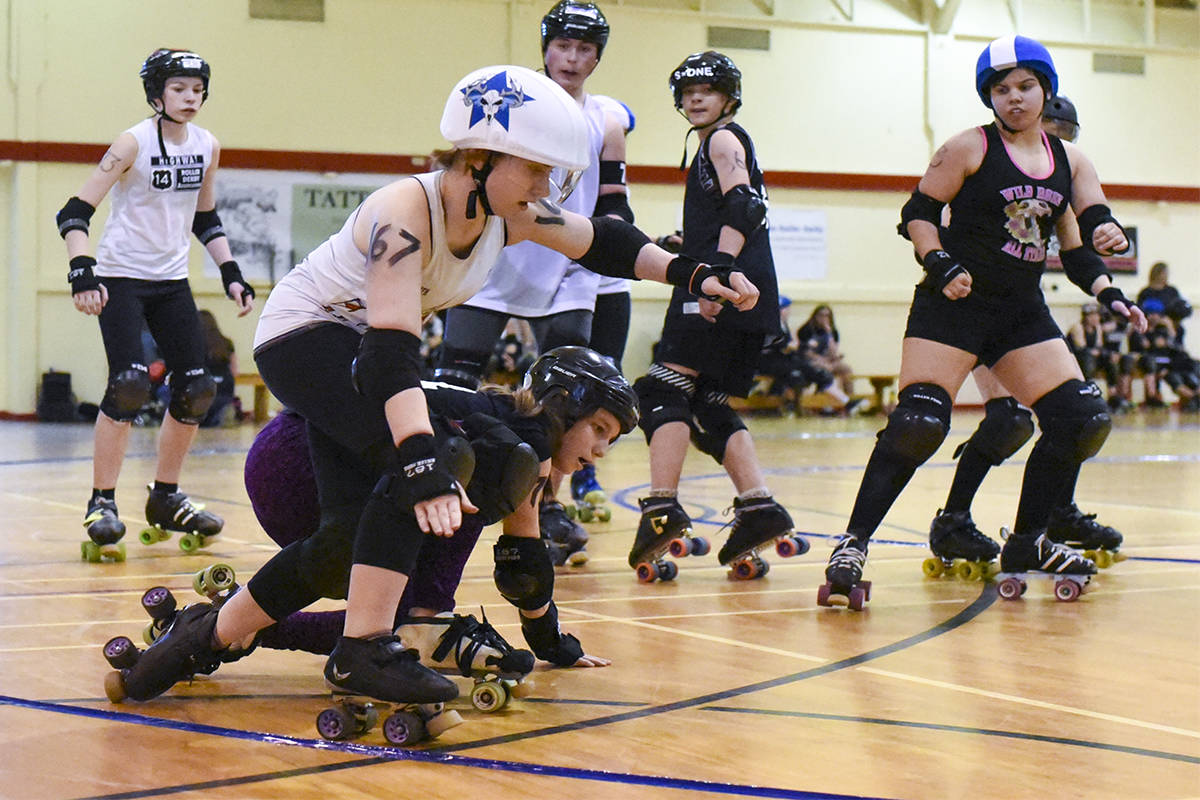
718,688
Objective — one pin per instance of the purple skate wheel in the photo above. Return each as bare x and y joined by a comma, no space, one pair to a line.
159,603
700,546
403,727
121,652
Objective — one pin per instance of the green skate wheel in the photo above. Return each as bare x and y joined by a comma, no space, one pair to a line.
119,555
213,579
571,511
489,696
595,498
933,567
89,551
190,542
585,514
604,513
148,536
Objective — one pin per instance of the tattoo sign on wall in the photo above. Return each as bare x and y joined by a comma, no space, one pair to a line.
274,219
798,243
1126,262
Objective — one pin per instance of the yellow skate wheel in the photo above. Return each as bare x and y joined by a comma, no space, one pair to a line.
585,514
604,513
595,498
1103,559
572,511
969,570
521,688
119,555
90,551
190,542
489,696
213,579
933,567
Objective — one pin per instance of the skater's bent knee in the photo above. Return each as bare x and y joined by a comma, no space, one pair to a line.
523,574
1075,420
714,423
919,423
1005,427
192,394
126,393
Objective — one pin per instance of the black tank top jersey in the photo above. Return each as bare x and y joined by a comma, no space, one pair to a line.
456,404
703,217
1001,218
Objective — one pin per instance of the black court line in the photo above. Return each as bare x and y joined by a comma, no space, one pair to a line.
447,754
930,726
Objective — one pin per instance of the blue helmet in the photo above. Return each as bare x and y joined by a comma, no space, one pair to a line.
1008,53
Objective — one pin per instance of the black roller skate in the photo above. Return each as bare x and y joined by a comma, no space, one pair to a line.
184,650
174,511
843,576
454,644
959,548
217,582
1070,526
104,530
566,538
589,496
360,670
758,524
664,528
1025,557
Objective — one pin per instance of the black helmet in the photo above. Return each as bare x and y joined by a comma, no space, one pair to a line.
1061,109
166,63
569,20
713,68
577,381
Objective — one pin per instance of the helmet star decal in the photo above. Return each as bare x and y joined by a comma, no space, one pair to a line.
491,98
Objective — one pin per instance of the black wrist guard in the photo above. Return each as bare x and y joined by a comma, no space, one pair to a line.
420,474
1112,295
231,273
940,269
81,277
1093,217
547,642
688,273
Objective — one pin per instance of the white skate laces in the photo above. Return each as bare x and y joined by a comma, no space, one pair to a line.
1058,558
848,552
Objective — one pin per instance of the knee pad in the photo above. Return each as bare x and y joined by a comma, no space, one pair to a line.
506,467
713,422
459,367
919,423
523,574
1074,420
326,556
388,535
1005,426
126,393
192,394
664,395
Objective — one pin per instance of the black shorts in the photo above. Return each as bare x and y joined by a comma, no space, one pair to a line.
984,327
166,308
726,356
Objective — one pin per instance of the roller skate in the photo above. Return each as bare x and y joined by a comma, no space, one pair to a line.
174,511
1026,557
217,582
959,548
757,524
361,670
588,495
566,538
1070,526
104,530
664,528
454,644
843,576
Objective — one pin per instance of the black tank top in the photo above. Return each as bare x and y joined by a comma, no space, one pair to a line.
1001,218
456,404
703,217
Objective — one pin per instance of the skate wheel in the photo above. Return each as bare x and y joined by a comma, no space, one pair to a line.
700,546
440,723
521,688
149,536
604,514
1011,588
786,547
335,723
990,570
585,514
366,720
150,633
596,497
1103,559
681,547
214,579
578,558
119,555
969,570
489,696
647,573
866,587
571,511
190,542
763,567
1067,591
114,687
856,597
89,551
668,571
158,602
744,571
403,727
120,652
933,567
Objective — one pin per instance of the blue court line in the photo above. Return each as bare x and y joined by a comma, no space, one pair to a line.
929,726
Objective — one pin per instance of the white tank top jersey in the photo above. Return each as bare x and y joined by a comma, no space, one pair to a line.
531,280
153,204
615,108
330,284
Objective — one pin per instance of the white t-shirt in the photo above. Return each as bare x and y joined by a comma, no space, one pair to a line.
153,204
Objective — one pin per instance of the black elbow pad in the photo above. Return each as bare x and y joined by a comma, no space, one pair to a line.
207,226
744,209
76,215
920,206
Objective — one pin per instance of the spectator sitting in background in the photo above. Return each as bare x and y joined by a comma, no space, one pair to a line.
221,362
790,366
1175,307
819,339
1098,352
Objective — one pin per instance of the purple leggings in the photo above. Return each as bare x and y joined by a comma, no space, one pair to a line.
283,493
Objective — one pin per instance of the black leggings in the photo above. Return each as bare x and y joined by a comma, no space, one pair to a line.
167,308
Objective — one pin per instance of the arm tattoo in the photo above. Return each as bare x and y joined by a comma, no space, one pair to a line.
557,219
110,161
938,158
379,247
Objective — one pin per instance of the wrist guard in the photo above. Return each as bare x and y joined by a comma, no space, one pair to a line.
1112,295
688,273
419,475
1095,216
231,273
547,642
940,269
81,277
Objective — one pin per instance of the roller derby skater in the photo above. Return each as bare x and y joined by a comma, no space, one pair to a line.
707,352
589,496
104,530
168,511
566,538
1022,560
758,522
981,300
959,548
138,277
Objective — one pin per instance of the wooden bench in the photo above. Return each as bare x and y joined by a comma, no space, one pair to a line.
262,398
879,386
759,401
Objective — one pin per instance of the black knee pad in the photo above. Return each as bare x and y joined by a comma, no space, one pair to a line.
919,423
192,393
460,367
326,556
523,574
713,422
664,395
1074,420
1005,427
126,393
388,535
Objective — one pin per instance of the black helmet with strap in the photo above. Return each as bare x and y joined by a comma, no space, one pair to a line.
166,63
576,381
571,20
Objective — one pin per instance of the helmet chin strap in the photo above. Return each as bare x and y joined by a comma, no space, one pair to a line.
479,193
726,116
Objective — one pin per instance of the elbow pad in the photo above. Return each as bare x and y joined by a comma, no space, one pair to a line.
1093,217
614,204
744,210
923,207
1082,265
612,172
207,226
76,215
615,247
